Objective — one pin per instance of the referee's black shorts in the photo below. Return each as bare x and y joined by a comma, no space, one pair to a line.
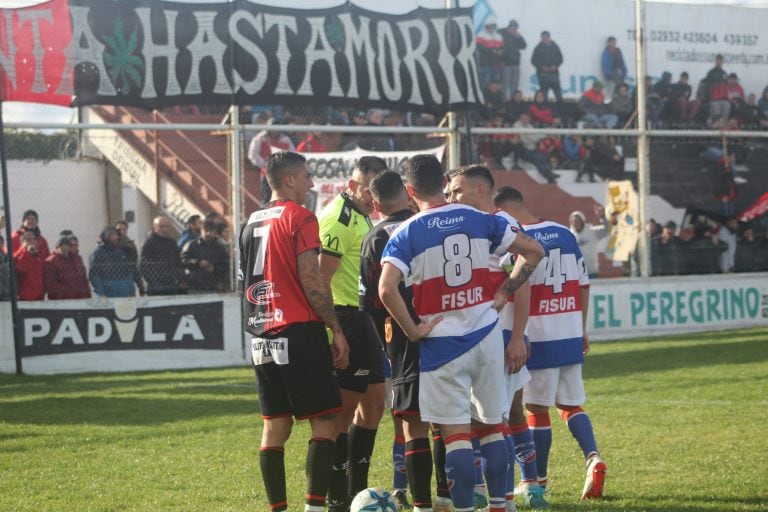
366,354
306,386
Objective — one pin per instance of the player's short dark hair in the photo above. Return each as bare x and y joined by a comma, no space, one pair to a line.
476,172
507,194
387,186
192,219
279,163
371,165
425,174
545,33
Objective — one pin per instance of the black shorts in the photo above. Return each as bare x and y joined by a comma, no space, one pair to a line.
366,353
306,386
404,357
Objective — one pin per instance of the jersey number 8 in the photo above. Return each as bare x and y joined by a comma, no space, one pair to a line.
458,264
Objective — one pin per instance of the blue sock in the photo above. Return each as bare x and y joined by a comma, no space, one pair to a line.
542,438
478,457
459,470
524,452
494,451
510,466
399,475
581,428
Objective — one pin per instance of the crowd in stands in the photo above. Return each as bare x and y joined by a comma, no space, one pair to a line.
708,248
199,262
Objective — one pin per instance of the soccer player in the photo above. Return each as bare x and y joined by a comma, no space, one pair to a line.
557,331
391,199
473,186
286,304
445,251
344,222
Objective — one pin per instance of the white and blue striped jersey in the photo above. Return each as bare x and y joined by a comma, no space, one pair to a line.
446,252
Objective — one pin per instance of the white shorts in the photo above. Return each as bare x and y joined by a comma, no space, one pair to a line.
515,382
551,386
468,387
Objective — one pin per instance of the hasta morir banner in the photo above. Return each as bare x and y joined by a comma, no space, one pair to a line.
152,53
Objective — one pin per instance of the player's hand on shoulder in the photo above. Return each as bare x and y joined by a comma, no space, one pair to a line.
340,350
424,328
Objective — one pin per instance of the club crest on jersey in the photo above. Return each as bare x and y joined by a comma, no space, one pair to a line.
260,293
445,224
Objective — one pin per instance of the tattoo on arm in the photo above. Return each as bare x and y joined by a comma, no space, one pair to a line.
317,292
516,281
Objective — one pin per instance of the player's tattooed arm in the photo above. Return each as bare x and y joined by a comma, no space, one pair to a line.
519,276
529,254
319,296
316,290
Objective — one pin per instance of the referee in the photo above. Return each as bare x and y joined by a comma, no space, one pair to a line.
344,222
286,306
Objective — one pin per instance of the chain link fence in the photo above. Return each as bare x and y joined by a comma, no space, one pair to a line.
128,210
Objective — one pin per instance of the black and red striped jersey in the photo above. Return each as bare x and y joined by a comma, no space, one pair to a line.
270,243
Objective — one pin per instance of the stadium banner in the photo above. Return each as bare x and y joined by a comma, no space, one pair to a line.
127,334
331,171
157,53
624,308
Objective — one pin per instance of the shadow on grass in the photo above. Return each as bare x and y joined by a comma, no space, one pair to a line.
120,410
752,349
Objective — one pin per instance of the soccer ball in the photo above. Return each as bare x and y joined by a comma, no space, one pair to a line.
373,499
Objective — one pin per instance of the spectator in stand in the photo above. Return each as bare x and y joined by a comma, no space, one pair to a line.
547,59
64,273
161,260
596,112
728,234
311,144
510,56
604,159
516,106
749,115
575,153
702,252
750,254
682,105
666,252
29,223
376,142
653,103
489,50
613,65
497,146
111,269
735,92
661,91
762,103
260,148
5,271
129,246
495,103
194,226
621,104
29,263
206,261
716,87
541,111
525,148
589,236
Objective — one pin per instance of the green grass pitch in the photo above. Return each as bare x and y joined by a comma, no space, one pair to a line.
681,421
